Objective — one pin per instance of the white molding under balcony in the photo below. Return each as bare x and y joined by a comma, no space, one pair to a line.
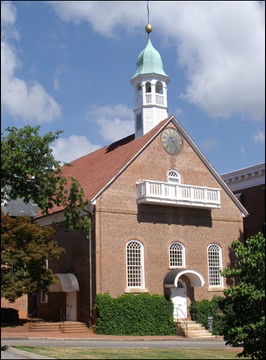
171,194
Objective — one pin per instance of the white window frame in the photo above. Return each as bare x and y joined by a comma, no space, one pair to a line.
43,297
183,254
174,176
214,267
141,277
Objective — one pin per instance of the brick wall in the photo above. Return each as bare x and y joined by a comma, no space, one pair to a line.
119,219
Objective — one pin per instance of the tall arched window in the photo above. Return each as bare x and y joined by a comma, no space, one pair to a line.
174,176
135,265
215,265
176,255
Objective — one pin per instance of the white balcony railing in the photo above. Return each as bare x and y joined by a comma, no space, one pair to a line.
164,193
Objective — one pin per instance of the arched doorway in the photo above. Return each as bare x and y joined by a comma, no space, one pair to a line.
177,289
179,298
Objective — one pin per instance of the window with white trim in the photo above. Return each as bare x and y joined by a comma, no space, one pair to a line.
215,265
174,176
43,297
135,265
176,255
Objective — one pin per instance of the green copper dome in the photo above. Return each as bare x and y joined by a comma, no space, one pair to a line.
149,61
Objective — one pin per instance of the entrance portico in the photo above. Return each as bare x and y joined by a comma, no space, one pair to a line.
175,282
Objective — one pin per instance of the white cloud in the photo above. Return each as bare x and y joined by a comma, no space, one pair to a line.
20,99
259,137
57,77
220,45
104,16
69,149
115,122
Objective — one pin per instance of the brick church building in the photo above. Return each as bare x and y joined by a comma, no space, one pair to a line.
162,218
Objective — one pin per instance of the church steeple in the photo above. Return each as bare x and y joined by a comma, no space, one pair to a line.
149,82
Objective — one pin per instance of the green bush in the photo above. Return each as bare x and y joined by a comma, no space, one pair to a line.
201,310
129,314
9,315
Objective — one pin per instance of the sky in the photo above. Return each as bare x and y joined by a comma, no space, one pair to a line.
66,65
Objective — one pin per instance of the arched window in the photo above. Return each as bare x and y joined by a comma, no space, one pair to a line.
176,255
148,87
174,176
215,265
159,87
135,265
139,89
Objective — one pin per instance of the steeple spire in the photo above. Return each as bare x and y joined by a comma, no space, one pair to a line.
150,82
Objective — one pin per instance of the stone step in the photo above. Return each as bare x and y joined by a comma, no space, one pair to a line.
66,327
190,328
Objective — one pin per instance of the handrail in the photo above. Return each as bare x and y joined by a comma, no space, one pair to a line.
88,313
31,315
62,319
185,321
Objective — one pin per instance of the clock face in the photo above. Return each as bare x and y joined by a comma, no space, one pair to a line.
171,141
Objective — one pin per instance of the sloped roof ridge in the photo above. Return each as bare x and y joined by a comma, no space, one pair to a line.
210,167
97,170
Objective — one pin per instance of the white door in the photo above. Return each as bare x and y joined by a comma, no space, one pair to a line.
179,298
71,306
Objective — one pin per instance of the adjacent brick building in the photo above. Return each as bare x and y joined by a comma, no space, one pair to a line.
248,184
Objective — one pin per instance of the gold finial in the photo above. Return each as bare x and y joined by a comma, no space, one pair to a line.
148,28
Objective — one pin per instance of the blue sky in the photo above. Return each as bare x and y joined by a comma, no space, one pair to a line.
67,66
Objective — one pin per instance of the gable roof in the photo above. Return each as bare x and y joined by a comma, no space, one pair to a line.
97,170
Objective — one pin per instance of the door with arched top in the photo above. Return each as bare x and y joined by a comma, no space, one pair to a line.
179,298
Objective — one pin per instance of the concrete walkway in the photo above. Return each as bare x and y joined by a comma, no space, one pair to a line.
23,332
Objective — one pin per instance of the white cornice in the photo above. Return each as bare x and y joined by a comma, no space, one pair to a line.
246,177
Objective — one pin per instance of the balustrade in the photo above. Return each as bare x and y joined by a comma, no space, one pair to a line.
178,194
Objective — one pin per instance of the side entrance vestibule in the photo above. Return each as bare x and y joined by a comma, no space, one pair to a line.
176,288
68,284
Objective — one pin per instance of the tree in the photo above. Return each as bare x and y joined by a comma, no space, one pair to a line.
24,249
245,322
29,171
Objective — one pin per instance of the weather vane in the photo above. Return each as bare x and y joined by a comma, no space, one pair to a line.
148,26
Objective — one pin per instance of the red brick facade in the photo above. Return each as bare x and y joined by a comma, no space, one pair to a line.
117,218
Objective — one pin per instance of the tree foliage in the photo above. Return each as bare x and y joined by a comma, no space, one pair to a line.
29,171
24,250
245,323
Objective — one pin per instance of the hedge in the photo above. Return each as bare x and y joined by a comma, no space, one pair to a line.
201,310
130,314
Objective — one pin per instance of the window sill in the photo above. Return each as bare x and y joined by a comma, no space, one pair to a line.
218,288
136,291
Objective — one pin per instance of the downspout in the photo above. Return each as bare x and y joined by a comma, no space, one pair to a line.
89,237
90,272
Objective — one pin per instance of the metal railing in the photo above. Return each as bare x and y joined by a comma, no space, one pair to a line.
62,320
184,321
89,324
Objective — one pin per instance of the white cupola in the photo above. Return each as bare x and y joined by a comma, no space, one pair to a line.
150,83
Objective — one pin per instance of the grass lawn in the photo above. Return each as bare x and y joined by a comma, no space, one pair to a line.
136,353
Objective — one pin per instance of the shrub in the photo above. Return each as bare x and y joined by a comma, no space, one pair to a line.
9,315
201,310
130,314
